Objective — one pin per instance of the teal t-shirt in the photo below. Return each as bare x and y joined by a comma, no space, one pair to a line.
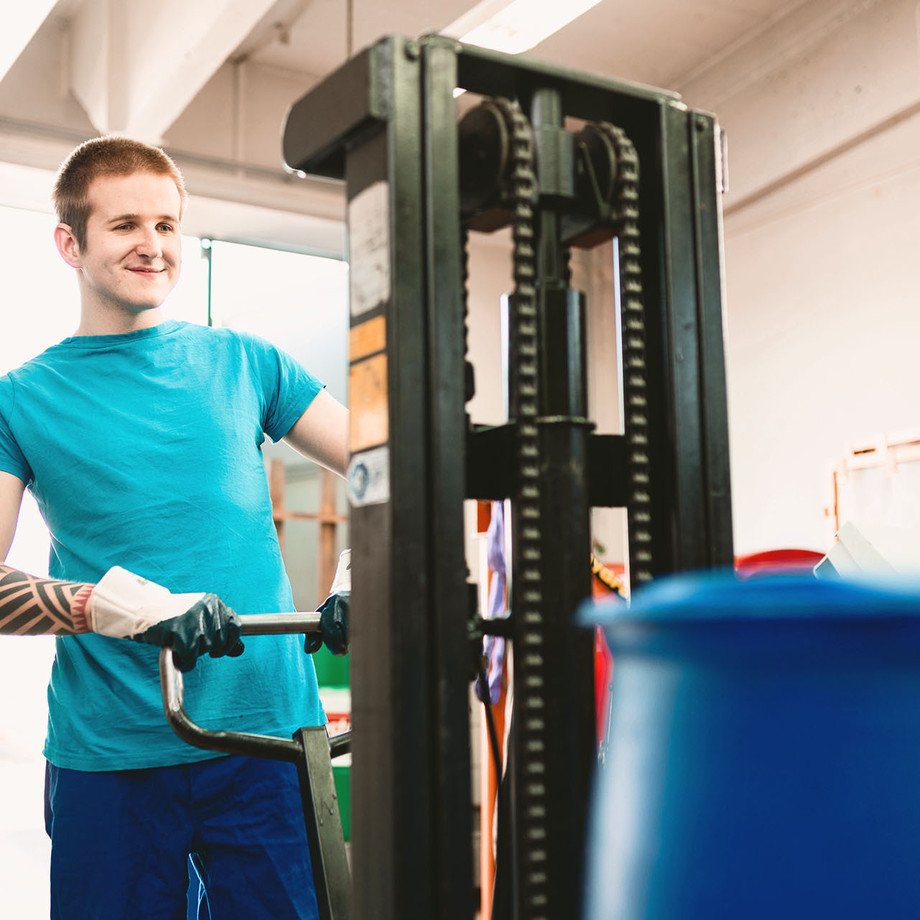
144,450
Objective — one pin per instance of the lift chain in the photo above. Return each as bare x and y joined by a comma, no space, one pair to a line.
469,376
531,653
635,371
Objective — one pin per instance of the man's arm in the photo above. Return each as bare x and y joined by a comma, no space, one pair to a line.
321,433
29,605
11,489
122,605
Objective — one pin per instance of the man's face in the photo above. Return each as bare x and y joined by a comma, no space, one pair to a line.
133,248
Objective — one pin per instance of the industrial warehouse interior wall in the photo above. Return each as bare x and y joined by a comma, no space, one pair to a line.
822,223
823,326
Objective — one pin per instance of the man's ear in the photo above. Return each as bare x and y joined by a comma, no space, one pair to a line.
67,245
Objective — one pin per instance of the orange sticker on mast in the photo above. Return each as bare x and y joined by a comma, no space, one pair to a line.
368,403
367,338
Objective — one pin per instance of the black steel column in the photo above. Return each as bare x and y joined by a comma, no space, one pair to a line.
706,178
687,416
449,612
411,809
395,844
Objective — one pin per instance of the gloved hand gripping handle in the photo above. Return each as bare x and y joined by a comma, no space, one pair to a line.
334,612
128,606
267,746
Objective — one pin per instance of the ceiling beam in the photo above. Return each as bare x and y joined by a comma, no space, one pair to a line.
20,22
135,68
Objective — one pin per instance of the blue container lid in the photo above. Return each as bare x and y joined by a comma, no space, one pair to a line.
720,596
792,619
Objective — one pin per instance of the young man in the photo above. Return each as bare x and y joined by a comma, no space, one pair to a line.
140,438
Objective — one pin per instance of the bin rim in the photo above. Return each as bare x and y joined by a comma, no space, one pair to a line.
709,597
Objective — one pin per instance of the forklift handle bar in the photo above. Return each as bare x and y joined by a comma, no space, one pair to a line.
251,745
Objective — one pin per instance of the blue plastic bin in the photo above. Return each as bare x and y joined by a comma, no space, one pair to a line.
764,757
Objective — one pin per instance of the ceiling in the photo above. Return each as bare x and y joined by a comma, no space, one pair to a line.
81,67
661,42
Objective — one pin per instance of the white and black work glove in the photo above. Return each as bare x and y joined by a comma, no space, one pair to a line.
333,621
125,606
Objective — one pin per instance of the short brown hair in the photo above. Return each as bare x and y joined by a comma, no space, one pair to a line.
105,156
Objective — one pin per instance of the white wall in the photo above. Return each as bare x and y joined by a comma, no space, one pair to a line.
822,348
821,231
489,279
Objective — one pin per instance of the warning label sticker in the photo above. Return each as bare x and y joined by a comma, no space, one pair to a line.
369,248
369,477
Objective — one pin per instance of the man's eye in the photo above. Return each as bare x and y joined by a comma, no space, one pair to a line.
124,227
165,228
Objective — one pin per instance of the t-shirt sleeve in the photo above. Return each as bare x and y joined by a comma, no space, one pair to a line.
286,386
11,457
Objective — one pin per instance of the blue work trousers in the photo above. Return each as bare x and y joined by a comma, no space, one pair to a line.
122,843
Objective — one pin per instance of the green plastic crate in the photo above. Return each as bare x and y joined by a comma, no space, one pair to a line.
342,778
331,670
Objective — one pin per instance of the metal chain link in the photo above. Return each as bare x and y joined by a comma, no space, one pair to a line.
635,371
469,386
531,654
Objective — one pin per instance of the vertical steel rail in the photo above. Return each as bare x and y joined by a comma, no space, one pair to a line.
450,600
394,848
688,434
706,178
332,877
685,396
410,771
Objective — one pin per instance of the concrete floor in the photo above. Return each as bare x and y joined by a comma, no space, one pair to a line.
24,848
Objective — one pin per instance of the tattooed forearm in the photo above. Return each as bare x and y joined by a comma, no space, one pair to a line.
31,606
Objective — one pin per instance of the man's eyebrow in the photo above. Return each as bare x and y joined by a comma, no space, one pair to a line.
121,218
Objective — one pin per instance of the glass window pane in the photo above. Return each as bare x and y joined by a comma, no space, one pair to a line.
299,302
189,299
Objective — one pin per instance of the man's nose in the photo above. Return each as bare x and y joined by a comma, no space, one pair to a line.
149,243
